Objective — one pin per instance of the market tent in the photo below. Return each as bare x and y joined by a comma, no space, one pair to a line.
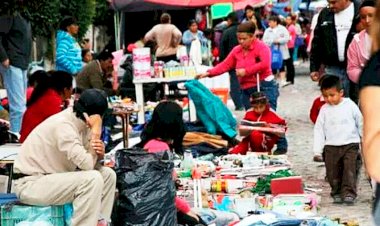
139,6
149,5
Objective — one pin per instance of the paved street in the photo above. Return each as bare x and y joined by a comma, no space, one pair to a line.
294,105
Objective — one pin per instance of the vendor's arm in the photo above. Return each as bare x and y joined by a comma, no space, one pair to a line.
263,64
226,65
151,35
70,142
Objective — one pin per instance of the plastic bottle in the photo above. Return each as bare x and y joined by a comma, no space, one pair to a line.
188,160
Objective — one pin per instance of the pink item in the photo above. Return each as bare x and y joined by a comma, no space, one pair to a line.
256,61
182,205
293,35
358,54
154,146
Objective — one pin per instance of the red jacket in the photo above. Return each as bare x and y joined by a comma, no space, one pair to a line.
47,105
314,111
268,116
257,61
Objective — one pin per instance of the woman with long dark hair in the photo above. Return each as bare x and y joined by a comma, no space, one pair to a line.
47,99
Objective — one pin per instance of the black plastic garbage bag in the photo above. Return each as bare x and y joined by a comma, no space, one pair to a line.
146,188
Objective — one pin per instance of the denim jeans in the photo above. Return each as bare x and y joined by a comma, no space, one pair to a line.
270,89
15,82
235,91
342,74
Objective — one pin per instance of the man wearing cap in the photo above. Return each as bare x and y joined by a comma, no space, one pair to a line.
59,162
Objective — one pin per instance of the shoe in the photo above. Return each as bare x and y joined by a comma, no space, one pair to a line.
317,158
286,84
349,200
337,199
280,151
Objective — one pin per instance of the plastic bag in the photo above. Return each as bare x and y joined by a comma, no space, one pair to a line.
276,58
146,188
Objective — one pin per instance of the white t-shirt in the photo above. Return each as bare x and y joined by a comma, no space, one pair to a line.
338,125
343,22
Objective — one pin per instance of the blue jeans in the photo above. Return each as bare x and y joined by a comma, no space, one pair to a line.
235,91
342,74
15,82
270,89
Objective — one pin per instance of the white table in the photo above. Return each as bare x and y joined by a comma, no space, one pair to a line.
140,92
8,153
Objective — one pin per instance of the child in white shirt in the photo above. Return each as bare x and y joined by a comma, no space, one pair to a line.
337,134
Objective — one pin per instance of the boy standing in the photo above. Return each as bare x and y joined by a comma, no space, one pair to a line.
337,134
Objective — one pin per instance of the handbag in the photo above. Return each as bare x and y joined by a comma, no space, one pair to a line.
300,41
276,57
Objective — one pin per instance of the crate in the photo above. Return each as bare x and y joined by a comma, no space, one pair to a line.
13,214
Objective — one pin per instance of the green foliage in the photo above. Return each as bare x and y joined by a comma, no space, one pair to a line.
43,16
103,14
82,10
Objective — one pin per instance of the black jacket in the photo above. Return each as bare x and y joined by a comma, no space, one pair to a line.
15,40
229,41
324,48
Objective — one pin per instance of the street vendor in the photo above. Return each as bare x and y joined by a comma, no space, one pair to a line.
260,141
59,162
251,60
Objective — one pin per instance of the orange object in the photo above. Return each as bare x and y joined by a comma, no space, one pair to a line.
222,93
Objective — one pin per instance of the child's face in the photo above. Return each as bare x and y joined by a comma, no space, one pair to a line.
332,96
259,108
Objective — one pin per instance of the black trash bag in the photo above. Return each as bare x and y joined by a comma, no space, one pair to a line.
146,188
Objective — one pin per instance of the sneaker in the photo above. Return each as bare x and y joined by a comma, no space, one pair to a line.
349,200
337,199
286,84
280,151
317,158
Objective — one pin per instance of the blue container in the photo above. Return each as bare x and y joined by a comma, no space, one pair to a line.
13,214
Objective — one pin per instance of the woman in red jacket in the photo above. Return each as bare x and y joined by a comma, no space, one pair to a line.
260,141
47,99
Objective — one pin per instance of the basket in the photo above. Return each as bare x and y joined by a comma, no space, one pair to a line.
222,93
13,214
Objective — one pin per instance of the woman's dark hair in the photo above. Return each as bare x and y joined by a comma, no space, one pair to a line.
191,22
167,125
36,76
67,21
258,98
56,80
247,27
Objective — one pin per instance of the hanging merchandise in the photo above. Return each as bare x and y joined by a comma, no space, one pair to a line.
146,188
